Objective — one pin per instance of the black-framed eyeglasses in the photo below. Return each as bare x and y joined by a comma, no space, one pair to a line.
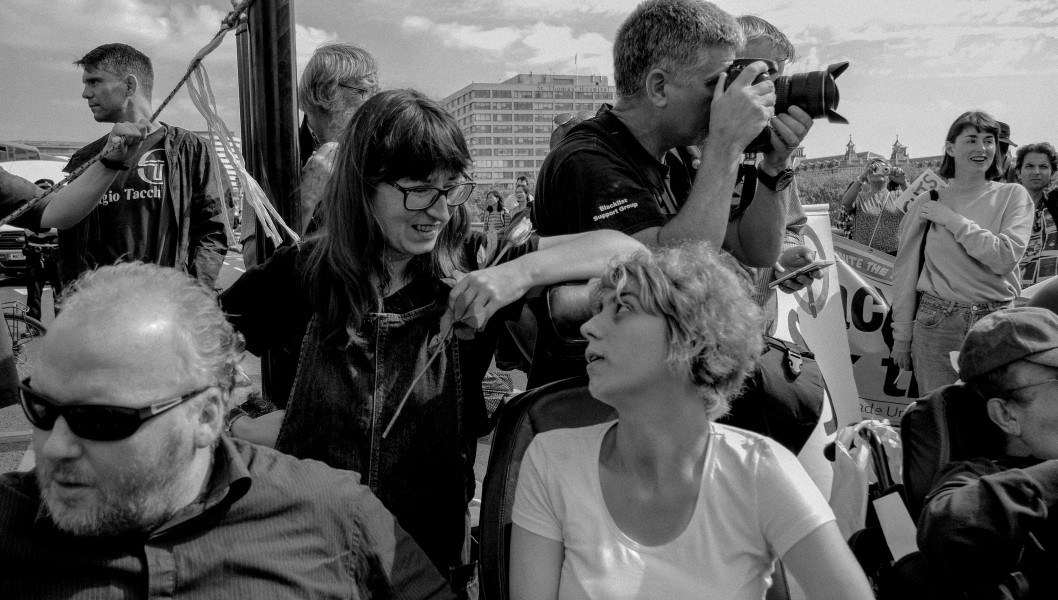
563,118
95,422
423,197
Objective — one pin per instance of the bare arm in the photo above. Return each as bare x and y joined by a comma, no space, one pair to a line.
536,566
559,258
825,568
66,207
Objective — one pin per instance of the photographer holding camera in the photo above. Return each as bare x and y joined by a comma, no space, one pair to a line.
626,168
872,206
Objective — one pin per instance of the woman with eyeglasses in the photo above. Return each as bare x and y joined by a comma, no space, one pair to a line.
958,258
368,303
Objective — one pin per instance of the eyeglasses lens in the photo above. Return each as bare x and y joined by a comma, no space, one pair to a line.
423,198
98,423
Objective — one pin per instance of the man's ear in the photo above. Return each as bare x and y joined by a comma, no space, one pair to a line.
999,411
209,419
131,84
654,87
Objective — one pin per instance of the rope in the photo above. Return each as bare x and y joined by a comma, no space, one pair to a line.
227,23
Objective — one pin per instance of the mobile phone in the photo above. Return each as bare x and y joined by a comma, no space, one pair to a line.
805,270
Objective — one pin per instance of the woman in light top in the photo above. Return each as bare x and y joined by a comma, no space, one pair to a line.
872,206
664,502
958,258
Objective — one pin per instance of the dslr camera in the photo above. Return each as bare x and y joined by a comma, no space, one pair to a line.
814,92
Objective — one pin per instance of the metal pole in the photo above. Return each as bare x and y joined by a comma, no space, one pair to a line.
269,111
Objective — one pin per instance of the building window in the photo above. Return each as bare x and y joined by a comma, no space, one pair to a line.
523,93
504,152
543,140
523,152
525,141
583,106
523,117
564,106
523,129
483,152
536,151
544,95
543,105
480,94
541,129
583,96
501,93
480,105
604,95
539,164
481,129
523,106
502,129
501,106
483,117
542,118
502,117
565,95
502,141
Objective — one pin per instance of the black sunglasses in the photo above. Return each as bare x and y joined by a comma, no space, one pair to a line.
95,422
423,197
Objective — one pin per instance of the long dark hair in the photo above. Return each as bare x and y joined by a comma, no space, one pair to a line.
395,134
499,202
981,121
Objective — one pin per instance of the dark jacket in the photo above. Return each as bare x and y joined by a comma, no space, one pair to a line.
196,226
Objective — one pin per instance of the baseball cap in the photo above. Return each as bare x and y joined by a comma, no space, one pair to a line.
1004,133
1024,333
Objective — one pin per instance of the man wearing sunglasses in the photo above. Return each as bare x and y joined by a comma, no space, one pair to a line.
995,514
622,170
139,492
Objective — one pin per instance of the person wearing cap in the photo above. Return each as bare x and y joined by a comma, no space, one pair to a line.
1007,172
990,516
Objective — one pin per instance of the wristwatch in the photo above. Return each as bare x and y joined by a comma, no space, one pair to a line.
778,182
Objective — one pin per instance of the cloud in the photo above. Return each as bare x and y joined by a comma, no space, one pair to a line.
540,45
465,37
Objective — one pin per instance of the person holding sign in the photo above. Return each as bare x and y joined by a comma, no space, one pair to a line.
872,207
958,258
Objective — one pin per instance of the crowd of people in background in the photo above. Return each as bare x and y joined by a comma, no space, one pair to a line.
380,327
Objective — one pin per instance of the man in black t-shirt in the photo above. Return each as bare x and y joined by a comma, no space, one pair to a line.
167,205
620,170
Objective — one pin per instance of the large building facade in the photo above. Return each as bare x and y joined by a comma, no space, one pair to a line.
508,125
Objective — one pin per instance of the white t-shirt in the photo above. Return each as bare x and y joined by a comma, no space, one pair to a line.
755,503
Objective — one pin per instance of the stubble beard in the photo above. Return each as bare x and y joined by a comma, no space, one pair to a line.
140,500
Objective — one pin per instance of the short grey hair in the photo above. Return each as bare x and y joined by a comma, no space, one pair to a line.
755,27
670,35
214,347
338,77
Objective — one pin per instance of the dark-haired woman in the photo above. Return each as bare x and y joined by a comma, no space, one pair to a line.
496,217
365,302
966,267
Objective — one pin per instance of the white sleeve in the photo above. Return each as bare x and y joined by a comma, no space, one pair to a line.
533,508
790,506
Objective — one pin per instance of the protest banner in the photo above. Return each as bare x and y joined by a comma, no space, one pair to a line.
925,182
866,279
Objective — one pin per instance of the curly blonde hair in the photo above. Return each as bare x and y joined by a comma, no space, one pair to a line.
714,329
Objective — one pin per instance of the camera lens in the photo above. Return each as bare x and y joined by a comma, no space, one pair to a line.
816,93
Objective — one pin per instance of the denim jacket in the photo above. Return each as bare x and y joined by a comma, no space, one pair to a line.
343,399
197,224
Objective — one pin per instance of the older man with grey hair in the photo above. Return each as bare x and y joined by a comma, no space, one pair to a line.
337,80
138,490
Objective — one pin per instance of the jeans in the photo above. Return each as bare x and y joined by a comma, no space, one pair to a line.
940,326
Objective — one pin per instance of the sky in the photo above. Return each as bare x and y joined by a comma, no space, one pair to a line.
915,65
